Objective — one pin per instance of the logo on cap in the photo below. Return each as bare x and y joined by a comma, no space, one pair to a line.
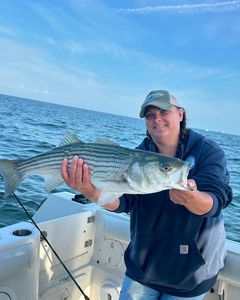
154,95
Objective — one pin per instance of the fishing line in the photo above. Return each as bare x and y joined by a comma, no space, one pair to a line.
49,244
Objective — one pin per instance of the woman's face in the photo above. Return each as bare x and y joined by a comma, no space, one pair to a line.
164,125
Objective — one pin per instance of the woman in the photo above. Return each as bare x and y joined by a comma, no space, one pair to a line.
177,245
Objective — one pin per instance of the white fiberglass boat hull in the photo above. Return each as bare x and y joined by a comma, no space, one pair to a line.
91,242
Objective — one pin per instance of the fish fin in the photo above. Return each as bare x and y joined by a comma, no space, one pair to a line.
69,138
105,142
11,175
53,182
107,197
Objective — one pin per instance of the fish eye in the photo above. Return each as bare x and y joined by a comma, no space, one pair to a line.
166,168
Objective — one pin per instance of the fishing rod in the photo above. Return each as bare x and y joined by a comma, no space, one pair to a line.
51,247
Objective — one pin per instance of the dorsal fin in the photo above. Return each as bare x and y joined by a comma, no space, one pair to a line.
69,138
105,141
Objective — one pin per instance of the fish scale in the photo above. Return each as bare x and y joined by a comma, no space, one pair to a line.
100,161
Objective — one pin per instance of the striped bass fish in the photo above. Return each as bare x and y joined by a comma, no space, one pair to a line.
114,169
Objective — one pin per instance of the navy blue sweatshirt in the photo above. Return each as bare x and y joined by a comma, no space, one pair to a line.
171,249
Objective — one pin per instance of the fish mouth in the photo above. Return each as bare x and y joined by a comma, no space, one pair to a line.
186,168
181,176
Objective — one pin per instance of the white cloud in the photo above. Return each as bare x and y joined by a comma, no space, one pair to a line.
185,8
52,16
96,47
8,31
182,68
29,70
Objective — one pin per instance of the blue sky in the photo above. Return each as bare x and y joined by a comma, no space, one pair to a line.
107,55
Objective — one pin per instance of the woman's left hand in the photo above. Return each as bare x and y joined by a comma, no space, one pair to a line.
197,202
183,197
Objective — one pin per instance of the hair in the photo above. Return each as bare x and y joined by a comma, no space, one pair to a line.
183,126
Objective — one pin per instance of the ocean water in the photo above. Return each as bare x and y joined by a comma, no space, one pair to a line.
29,127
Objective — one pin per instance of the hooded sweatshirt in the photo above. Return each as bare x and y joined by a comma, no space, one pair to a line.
172,249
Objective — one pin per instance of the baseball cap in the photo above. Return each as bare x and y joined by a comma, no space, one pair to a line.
159,98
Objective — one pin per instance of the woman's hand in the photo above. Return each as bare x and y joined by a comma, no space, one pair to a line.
196,201
183,197
78,177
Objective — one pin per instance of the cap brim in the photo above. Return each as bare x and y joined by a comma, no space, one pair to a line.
161,105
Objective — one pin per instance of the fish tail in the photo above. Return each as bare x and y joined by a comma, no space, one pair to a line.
11,175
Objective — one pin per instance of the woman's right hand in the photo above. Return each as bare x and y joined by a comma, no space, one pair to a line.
78,177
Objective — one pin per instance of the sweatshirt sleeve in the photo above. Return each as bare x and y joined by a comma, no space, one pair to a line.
212,176
127,203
